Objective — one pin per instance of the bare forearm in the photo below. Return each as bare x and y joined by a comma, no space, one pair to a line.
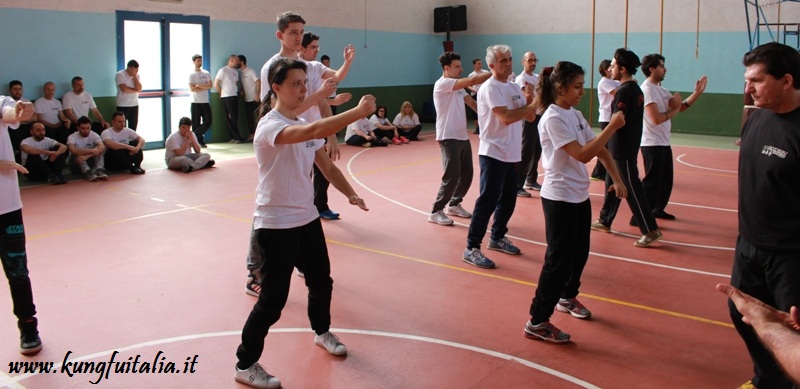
784,343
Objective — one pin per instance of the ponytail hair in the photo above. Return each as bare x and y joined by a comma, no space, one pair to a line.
552,79
277,75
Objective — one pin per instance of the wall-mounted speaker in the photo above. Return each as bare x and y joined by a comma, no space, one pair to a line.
453,17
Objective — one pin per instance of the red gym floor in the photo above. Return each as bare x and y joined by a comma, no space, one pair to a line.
152,267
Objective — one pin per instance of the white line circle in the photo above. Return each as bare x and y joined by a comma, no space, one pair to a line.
703,167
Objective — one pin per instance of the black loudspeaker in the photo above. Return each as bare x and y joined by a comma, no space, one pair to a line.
455,17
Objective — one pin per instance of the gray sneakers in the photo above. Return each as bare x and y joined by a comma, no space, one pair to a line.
439,218
545,331
503,245
256,377
476,258
649,238
330,342
574,308
458,211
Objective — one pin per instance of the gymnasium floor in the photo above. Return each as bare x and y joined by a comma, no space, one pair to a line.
152,267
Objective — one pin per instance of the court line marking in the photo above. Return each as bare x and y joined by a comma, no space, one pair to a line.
424,339
703,167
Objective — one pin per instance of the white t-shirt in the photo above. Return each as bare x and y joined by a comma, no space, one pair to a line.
123,136
473,74
523,78
174,142
565,178
9,184
84,142
315,70
451,120
361,124
285,194
228,77
405,120
656,134
200,77
249,79
604,89
48,109
80,104
44,144
126,99
375,120
501,142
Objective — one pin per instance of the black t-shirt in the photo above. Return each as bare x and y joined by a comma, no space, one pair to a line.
629,99
769,180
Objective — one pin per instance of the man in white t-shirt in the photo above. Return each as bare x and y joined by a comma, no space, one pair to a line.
199,84
528,174
128,87
477,69
501,108
44,157
449,98
123,146
15,91
659,108
50,112
86,152
78,103
227,85
251,86
183,150
13,255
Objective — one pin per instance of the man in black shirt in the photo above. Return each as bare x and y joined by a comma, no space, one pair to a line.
767,258
624,147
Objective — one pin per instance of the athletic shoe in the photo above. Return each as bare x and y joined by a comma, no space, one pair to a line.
136,170
597,225
385,140
545,331
532,185
90,175
503,245
476,258
251,285
523,193
439,218
367,144
458,211
101,174
396,141
29,343
52,179
256,377
209,164
187,169
330,342
663,215
649,238
404,139
329,215
574,308
203,145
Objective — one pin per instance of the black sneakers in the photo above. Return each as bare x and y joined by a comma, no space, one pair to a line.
29,343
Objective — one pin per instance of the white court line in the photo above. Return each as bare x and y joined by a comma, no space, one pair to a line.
395,335
157,199
685,205
703,167
640,262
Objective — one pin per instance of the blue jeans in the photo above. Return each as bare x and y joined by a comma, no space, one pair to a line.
498,196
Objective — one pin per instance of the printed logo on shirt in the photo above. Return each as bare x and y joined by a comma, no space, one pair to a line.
515,97
772,150
309,143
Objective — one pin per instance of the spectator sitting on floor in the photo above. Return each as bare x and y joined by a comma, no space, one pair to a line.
43,157
359,133
124,146
383,127
86,152
183,149
407,122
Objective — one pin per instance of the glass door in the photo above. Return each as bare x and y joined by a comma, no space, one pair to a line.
163,44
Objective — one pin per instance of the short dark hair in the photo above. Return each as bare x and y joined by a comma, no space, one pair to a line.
242,59
448,57
84,120
476,60
627,59
76,79
603,68
117,113
288,17
184,121
309,37
651,61
14,83
133,64
778,59
324,57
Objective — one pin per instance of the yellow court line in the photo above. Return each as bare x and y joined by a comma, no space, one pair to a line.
381,170
725,175
532,284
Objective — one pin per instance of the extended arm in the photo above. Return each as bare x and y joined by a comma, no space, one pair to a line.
337,179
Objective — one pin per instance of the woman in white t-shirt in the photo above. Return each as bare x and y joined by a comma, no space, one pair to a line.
407,122
568,143
289,231
385,128
606,89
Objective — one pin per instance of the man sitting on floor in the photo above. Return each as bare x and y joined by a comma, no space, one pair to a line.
43,157
86,152
179,147
124,146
